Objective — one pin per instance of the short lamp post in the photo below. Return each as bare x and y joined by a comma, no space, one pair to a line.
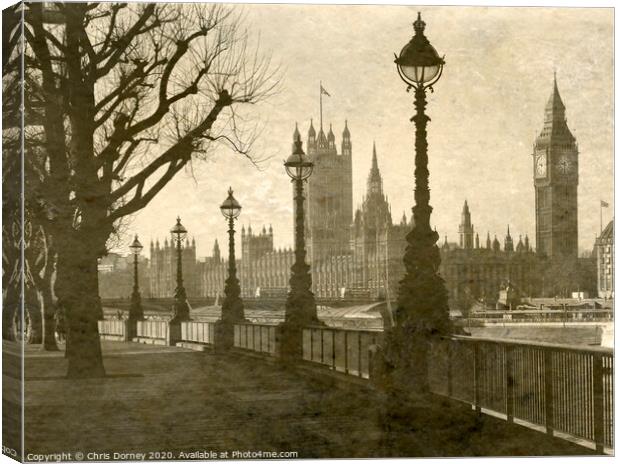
300,309
232,306
422,311
180,308
135,310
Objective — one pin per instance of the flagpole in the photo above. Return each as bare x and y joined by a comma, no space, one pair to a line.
321,101
601,224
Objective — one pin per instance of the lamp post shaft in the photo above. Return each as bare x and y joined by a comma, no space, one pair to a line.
135,274
135,311
422,209
180,307
232,306
179,265
232,266
300,239
300,303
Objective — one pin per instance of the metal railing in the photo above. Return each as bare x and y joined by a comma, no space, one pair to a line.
341,350
114,328
198,332
558,388
155,330
260,338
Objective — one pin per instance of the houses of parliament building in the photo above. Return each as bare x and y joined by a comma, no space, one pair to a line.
359,254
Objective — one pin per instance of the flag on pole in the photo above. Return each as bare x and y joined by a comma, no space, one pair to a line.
324,92
604,204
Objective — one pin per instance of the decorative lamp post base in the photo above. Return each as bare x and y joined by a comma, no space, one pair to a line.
180,311
300,313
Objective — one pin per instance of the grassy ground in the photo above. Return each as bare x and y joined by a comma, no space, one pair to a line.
172,400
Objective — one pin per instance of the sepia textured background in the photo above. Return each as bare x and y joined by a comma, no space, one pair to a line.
485,113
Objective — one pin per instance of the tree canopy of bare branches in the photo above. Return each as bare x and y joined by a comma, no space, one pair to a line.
129,95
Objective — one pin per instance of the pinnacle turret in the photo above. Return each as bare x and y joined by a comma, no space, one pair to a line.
346,140
345,133
508,243
311,131
374,183
466,229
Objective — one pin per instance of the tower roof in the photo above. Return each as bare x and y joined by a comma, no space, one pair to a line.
555,119
375,183
311,131
321,139
345,132
555,103
296,134
330,134
608,231
465,208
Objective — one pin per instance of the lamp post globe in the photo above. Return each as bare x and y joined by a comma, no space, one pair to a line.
180,308
135,309
419,64
232,306
300,308
422,311
297,165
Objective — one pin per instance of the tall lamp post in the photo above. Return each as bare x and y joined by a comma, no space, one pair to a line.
422,310
180,308
300,309
232,306
135,310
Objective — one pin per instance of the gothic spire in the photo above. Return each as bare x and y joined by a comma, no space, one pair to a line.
555,103
345,132
508,243
555,120
330,134
311,131
375,183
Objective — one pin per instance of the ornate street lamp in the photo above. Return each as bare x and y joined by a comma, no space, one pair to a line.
180,308
232,306
135,310
422,309
300,309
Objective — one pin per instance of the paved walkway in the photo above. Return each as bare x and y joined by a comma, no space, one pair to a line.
172,400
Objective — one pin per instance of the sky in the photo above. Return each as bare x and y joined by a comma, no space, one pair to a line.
486,111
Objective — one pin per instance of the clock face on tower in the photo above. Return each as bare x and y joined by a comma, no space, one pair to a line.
564,165
541,166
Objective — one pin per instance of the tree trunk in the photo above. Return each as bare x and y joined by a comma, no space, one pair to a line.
49,323
78,289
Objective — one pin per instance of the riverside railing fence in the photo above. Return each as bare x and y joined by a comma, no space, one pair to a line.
346,351
565,391
562,390
259,338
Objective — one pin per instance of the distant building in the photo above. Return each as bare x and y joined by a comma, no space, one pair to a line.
605,262
116,276
377,244
362,254
556,176
212,273
163,269
473,272
262,267
329,194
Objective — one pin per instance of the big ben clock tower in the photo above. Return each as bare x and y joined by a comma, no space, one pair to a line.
556,176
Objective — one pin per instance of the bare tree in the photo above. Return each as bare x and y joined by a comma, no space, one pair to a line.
130,94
